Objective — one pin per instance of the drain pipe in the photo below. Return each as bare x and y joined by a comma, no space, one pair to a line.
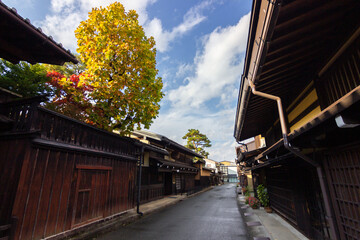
299,154
139,182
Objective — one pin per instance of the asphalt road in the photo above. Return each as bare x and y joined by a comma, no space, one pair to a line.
212,215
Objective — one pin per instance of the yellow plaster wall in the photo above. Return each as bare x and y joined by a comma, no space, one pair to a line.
307,101
306,119
226,163
205,173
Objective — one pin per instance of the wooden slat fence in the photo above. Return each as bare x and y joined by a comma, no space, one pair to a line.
151,192
58,174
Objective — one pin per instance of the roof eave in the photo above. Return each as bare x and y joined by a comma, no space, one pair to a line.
266,27
65,55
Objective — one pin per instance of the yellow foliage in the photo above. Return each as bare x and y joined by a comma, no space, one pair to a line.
121,67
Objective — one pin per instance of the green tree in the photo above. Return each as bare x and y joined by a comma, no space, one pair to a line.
120,62
68,69
23,78
197,142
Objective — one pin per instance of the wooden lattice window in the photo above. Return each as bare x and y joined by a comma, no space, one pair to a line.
343,173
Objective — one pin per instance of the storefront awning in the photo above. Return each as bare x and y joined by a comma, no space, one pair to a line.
169,166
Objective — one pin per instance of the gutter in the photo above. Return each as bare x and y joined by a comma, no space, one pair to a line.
302,156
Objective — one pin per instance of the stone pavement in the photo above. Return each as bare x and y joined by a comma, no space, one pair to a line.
266,226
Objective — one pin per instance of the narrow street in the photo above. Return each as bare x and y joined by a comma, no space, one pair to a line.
211,215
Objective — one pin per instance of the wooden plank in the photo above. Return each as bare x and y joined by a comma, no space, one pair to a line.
126,185
45,199
33,196
118,185
94,195
57,191
17,154
93,167
76,197
123,179
26,177
107,199
111,189
71,179
91,197
5,167
44,185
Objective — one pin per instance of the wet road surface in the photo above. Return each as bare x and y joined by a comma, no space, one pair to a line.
212,215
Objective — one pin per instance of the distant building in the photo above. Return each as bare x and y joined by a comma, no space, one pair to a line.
229,171
211,164
167,167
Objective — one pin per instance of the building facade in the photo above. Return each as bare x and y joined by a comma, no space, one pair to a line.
167,167
300,90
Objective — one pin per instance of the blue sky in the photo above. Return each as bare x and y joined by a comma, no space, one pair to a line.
200,53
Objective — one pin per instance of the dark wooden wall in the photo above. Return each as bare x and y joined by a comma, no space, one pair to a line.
189,181
58,173
11,159
294,193
60,190
342,167
341,78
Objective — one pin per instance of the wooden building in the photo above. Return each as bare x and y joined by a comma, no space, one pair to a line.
300,90
168,167
214,176
204,177
57,174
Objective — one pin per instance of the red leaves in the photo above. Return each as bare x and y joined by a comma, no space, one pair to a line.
71,95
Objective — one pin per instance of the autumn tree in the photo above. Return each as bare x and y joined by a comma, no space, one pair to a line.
23,78
71,96
120,67
197,142
68,69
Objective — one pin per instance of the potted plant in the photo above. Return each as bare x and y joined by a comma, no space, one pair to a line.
254,202
263,197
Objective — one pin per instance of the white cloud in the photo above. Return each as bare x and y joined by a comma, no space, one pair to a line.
183,70
66,15
62,28
214,76
218,127
163,37
217,66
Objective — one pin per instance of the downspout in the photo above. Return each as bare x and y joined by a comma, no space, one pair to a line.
299,154
139,181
